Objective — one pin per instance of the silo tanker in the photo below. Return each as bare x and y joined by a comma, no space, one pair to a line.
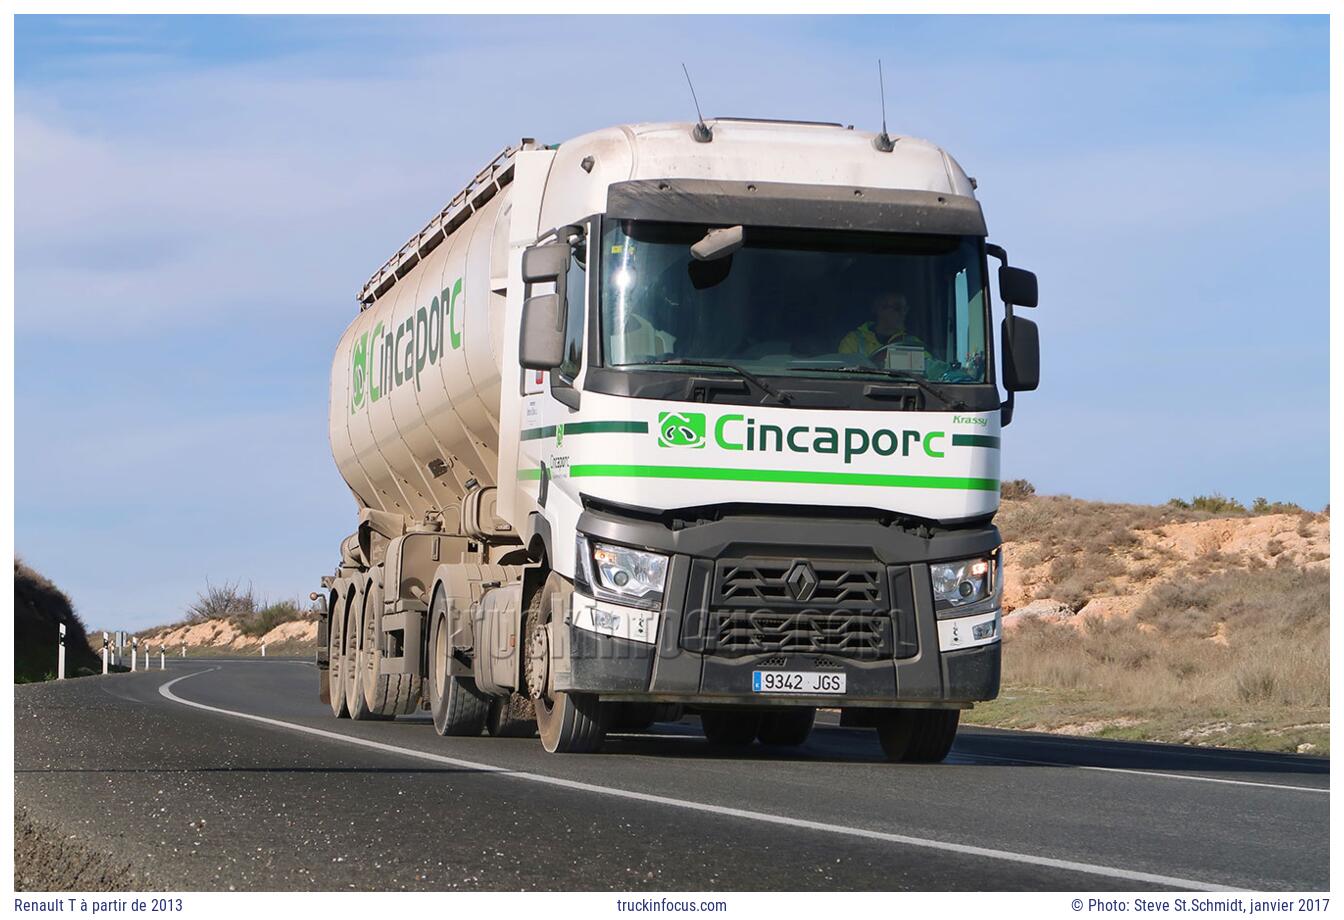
681,418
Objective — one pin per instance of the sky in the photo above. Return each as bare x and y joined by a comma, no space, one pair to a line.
199,198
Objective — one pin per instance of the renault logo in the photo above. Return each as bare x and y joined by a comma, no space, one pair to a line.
801,581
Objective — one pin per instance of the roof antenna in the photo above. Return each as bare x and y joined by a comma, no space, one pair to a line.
883,141
702,132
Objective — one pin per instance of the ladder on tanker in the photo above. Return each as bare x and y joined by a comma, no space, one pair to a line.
497,174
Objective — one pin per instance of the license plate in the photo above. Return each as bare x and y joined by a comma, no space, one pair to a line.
804,682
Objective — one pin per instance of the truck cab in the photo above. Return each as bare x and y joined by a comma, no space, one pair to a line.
759,426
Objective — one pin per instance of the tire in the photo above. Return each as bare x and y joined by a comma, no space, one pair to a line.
918,735
731,729
511,717
459,708
385,695
568,723
352,662
786,728
335,673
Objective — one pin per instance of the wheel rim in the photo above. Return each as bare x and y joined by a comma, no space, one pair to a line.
538,665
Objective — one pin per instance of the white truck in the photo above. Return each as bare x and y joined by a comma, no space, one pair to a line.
677,418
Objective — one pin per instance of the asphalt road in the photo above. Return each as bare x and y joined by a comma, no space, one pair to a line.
220,775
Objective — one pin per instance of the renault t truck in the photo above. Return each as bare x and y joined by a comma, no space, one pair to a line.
679,420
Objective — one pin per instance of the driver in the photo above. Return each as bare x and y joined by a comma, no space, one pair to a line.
887,327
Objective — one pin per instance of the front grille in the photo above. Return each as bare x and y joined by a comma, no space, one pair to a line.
825,584
735,633
830,610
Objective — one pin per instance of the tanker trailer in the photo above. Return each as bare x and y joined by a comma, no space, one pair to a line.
676,417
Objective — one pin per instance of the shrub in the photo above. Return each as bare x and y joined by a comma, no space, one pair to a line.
1214,504
220,602
1016,489
263,620
1261,506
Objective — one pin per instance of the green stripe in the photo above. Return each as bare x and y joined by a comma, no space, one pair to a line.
891,480
975,440
530,474
537,434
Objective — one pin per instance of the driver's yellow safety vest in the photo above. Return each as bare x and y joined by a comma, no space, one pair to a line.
864,341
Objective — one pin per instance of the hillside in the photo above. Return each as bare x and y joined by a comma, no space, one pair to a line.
227,636
39,608
1165,623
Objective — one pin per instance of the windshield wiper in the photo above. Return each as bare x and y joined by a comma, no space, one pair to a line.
931,389
768,388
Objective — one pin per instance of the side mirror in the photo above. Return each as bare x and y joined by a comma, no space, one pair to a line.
541,344
1021,354
1017,286
545,263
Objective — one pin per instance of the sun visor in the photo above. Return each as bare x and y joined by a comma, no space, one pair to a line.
784,204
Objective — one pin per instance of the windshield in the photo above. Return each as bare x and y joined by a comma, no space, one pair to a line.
795,302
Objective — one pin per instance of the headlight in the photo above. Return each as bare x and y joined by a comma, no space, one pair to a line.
956,584
621,574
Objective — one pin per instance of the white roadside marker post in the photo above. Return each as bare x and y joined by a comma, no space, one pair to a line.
146,654
104,653
60,655
184,648
135,652
162,662
263,650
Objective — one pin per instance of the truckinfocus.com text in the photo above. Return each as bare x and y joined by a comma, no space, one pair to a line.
654,905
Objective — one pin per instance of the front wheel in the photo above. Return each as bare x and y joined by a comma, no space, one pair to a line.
511,717
569,723
918,735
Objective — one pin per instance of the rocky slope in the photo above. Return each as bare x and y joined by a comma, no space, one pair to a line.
221,636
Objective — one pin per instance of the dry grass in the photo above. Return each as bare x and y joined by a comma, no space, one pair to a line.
1072,522
262,620
1240,657
1092,549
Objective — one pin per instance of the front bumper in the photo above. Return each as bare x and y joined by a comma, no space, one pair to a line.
920,659
622,669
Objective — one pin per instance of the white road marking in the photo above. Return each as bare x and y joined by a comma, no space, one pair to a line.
1157,773
969,758
725,811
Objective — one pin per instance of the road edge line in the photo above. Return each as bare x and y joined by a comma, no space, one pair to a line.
705,807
